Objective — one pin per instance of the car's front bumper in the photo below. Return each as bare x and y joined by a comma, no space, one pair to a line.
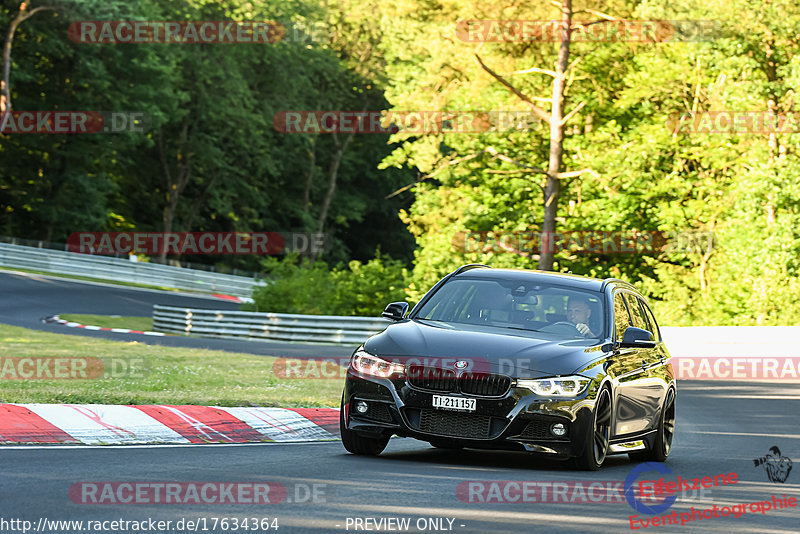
519,420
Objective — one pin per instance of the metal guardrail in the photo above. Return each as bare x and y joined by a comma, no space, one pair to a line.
50,245
682,342
266,326
117,269
732,341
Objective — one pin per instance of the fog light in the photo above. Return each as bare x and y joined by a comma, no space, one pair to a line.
361,407
558,430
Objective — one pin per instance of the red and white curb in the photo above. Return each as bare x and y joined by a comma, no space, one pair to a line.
58,320
247,300
103,424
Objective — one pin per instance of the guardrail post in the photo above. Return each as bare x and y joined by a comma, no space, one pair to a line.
259,326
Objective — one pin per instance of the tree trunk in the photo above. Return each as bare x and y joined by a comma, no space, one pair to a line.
5,83
175,182
312,162
773,107
552,189
198,203
333,174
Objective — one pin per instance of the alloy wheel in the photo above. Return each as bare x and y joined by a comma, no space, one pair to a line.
602,426
668,427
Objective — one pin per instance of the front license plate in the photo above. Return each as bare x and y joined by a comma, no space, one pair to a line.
454,403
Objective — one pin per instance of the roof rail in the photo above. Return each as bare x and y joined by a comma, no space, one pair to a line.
608,281
469,267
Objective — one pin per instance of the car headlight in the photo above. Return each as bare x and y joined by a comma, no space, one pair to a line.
557,386
365,363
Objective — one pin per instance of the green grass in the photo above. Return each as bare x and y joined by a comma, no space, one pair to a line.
110,321
161,375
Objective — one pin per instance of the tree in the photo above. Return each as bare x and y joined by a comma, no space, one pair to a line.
497,175
22,15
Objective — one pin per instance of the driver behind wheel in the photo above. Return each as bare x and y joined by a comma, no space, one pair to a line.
578,313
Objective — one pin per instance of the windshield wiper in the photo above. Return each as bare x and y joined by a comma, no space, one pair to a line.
444,323
520,328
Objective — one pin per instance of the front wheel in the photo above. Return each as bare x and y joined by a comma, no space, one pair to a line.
359,444
596,448
666,430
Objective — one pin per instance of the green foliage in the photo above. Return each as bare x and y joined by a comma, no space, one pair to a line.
211,109
361,289
637,174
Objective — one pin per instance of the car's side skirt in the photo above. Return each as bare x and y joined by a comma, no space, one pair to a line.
626,444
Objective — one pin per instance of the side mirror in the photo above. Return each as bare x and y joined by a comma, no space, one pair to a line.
395,311
637,337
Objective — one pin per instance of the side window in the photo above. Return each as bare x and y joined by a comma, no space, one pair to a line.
636,312
652,320
621,317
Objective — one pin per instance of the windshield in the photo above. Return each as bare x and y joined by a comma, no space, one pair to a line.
565,313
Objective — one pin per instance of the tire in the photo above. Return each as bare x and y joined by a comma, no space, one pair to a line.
666,431
360,445
597,439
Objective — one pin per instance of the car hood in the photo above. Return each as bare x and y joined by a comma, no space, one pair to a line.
518,353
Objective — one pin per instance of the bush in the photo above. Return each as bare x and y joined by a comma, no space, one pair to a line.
305,287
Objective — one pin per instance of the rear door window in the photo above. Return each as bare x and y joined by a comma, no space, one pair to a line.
621,318
652,325
637,315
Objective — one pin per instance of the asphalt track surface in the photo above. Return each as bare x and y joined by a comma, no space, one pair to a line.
25,299
721,428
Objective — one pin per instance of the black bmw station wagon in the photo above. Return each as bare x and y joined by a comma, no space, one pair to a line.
553,364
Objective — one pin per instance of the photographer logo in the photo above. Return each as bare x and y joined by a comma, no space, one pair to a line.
777,466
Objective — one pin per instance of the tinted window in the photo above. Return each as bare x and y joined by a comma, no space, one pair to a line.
621,318
515,304
636,312
653,325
